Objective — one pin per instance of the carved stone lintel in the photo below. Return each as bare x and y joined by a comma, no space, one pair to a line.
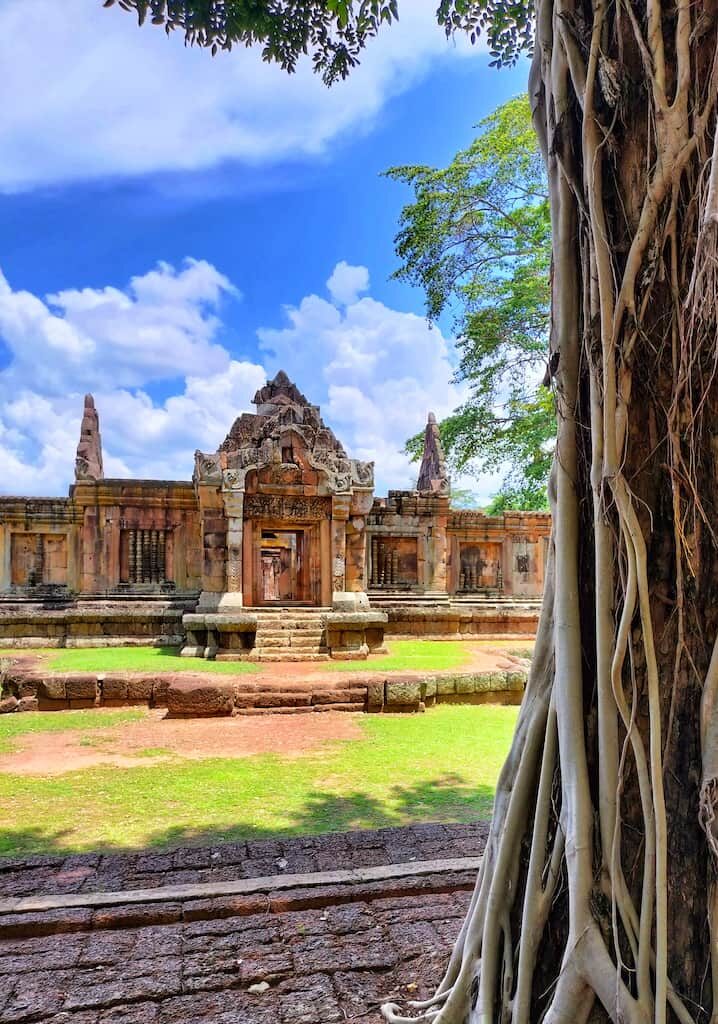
290,507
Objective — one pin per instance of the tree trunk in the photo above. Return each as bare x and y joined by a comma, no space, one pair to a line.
597,895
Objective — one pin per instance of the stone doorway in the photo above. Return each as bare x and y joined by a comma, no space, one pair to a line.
281,576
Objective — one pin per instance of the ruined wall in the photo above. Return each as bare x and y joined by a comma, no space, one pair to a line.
498,555
138,535
39,544
407,543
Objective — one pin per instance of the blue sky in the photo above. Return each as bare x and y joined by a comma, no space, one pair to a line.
128,156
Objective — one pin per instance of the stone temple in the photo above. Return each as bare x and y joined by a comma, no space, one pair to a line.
278,521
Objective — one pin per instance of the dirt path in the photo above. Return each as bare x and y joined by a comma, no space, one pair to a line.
155,739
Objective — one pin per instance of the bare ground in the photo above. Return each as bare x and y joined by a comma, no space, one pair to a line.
130,745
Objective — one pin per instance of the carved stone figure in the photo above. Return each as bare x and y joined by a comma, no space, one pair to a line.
207,468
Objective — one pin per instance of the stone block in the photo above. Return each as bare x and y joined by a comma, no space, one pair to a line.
53,688
466,683
516,680
403,693
28,704
160,689
189,698
445,685
114,687
8,705
81,687
338,697
139,689
375,695
339,707
428,688
271,699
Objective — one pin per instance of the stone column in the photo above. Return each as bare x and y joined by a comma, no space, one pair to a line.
234,507
439,547
340,514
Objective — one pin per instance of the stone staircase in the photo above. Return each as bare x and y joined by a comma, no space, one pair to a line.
290,634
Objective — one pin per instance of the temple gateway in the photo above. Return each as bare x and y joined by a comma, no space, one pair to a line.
279,517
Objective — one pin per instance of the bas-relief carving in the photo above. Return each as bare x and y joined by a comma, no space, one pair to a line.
277,506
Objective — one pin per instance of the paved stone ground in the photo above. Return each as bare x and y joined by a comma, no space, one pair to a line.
321,965
322,954
115,872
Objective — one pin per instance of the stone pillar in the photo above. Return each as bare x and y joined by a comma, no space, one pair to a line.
340,514
234,507
356,555
438,548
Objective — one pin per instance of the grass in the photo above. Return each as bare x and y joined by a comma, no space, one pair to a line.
12,727
441,766
417,655
132,659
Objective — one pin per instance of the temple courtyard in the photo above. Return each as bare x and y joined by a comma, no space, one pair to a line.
283,866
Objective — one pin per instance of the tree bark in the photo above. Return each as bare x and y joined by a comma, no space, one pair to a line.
598,884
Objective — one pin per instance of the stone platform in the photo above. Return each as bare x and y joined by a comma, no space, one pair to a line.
281,691
304,951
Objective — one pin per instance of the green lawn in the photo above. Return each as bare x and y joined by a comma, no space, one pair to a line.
440,766
419,655
132,659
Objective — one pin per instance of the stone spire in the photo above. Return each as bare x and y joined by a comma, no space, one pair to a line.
88,461
432,475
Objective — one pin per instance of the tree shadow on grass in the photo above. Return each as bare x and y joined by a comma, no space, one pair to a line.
448,798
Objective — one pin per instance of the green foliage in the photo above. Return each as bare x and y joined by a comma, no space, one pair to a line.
477,240
332,32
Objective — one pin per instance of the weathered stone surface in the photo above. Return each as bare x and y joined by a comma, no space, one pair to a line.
140,689
81,687
53,688
433,476
375,694
27,704
403,692
113,687
8,705
200,698
445,685
88,460
338,697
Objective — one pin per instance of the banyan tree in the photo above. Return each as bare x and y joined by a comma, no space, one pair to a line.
597,895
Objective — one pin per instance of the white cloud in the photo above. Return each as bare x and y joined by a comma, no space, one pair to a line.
94,96
162,326
347,283
375,371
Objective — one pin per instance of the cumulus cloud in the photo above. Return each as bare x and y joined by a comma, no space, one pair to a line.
163,325
375,371
347,283
94,96
379,370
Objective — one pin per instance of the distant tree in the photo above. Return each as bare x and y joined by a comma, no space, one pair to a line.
477,240
597,897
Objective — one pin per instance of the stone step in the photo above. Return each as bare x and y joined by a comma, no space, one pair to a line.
273,655
298,641
290,627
